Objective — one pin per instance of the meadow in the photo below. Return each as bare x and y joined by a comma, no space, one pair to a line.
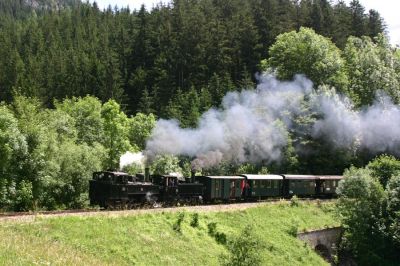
165,238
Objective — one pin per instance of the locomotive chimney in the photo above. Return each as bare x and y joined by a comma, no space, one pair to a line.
193,176
146,174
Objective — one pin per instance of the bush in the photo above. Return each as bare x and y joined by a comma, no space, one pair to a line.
294,201
177,225
195,220
360,208
293,230
243,250
384,167
393,211
23,196
218,236
212,228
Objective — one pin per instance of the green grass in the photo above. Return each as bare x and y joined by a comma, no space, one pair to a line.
149,239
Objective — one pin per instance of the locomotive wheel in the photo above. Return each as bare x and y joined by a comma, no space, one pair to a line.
109,204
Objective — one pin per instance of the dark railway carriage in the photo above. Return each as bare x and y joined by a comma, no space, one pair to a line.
327,185
263,186
110,189
222,187
300,185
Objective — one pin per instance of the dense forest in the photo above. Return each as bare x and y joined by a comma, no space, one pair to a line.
147,59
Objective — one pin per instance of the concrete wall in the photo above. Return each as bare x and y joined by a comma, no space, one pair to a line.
323,241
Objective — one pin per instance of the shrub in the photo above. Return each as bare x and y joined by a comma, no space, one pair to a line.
293,230
360,208
212,228
384,167
243,250
294,201
319,204
24,198
177,225
195,220
220,237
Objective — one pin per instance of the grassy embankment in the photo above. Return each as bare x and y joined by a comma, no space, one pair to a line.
150,239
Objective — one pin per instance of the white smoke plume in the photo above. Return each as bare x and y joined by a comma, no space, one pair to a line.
252,125
129,158
375,128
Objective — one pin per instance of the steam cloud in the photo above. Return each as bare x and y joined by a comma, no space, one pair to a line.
253,125
129,158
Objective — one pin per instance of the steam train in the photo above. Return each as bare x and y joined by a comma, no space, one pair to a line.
110,189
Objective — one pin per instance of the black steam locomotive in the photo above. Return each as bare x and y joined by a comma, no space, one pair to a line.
114,189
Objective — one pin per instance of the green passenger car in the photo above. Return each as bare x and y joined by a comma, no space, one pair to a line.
327,185
221,187
300,185
262,186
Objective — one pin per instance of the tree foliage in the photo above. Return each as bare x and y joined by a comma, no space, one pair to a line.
49,155
140,129
384,167
116,130
370,67
166,164
370,214
308,53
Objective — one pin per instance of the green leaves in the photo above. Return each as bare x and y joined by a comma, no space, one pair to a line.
166,164
370,68
86,113
140,127
116,130
370,214
47,156
244,249
384,167
305,52
12,142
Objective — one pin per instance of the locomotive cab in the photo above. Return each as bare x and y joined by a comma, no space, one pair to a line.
168,185
113,189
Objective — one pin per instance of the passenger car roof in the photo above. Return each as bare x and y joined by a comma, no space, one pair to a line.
112,172
263,177
301,177
313,177
331,177
224,177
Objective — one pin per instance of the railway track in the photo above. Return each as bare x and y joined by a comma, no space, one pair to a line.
218,206
33,213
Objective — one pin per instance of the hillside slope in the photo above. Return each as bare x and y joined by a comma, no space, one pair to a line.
150,239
